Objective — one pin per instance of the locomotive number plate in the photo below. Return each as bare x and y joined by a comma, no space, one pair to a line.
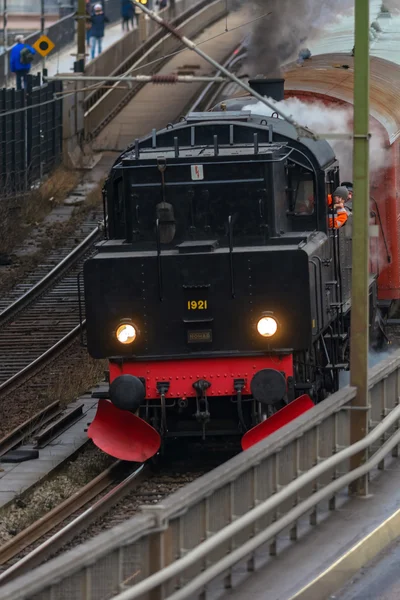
197,304
198,336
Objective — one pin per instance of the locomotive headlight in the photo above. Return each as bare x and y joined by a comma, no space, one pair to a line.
267,326
126,333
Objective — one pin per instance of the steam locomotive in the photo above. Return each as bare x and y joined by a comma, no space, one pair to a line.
220,295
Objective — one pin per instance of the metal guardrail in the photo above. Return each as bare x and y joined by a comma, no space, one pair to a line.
231,510
102,105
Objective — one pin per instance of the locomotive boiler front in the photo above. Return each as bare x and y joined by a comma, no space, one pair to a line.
209,309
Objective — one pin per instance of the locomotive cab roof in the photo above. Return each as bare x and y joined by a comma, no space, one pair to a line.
235,128
321,149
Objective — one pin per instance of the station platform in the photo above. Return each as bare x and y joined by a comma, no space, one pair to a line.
63,61
16,478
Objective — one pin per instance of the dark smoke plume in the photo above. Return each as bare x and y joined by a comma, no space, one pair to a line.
278,37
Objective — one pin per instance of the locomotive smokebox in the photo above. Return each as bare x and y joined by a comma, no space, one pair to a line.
127,392
272,88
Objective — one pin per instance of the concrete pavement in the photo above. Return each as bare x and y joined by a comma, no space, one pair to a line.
380,580
63,61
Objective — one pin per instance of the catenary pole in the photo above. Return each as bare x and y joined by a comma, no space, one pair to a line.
42,16
79,66
360,270
5,29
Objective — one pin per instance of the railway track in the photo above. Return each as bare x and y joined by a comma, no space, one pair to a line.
41,321
110,499
40,325
36,326
50,261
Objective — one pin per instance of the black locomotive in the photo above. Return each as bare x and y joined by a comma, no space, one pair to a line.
220,294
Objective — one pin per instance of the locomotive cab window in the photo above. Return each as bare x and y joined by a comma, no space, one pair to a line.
197,213
301,191
304,197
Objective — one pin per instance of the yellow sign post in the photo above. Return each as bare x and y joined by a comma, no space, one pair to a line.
44,45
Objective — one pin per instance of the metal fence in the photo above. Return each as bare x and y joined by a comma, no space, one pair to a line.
16,7
30,135
173,550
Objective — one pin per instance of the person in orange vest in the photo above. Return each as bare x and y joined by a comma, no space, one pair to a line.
337,201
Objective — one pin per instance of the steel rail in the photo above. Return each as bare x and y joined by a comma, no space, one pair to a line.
66,509
203,96
143,49
49,278
302,131
237,526
39,362
20,433
58,514
93,103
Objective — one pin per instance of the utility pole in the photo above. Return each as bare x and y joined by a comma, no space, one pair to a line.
360,270
79,66
5,23
42,17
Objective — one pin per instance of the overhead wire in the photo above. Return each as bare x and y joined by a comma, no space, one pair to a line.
150,63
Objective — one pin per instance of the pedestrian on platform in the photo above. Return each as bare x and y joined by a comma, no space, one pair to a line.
127,14
21,58
99,21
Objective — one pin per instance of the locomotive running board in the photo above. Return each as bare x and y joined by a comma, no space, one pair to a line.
122,434
282,417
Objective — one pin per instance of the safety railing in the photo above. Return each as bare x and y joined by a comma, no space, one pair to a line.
175,549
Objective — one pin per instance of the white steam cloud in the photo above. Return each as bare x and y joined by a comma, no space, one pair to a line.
321,118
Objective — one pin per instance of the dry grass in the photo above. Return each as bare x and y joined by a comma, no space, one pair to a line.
18,218
29,507
52,236
70,375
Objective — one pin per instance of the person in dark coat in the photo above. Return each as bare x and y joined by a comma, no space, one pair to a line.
21,57
127,14
99,21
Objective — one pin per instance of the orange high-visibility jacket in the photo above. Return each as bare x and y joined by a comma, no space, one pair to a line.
340,218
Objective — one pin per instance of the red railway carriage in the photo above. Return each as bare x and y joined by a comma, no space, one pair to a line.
329,78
